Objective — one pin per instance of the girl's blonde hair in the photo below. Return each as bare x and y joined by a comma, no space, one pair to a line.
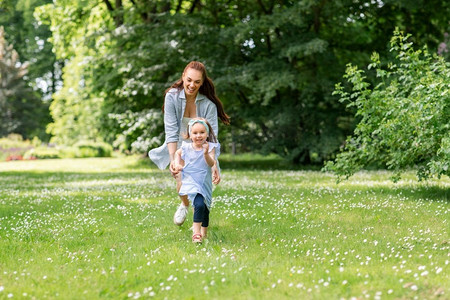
211,136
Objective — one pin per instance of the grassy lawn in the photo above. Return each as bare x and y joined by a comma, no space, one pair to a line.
102,228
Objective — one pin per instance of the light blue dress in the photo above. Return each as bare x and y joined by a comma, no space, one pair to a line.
196,174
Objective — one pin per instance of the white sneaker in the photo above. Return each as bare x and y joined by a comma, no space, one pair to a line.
180,215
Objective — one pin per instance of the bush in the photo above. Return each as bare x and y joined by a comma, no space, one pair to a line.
79,150
13,147
93,149
14,141
42,153
69,152
142,131
404,119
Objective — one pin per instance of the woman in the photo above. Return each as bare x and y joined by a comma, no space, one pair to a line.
192,96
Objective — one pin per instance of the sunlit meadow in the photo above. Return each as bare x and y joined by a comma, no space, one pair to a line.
102,228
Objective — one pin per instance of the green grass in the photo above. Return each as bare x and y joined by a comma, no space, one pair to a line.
102,229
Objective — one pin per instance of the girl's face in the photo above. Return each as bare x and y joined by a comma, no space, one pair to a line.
192,81
198,134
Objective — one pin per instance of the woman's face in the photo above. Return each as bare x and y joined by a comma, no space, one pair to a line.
192,81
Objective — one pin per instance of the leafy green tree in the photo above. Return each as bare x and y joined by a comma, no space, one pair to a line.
75,110
107,48
140,130
404,118
274,63
10,84
20,109
6,5
30,41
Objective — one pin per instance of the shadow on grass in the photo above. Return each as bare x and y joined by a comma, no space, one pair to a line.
260,162
73,176
144,168
420,192
22,181
243,162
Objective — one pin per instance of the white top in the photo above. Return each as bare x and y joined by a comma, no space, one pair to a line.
196,174
183,131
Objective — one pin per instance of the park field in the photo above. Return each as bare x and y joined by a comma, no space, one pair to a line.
102,229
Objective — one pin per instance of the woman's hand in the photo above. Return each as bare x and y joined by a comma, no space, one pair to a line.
178,168
173,168
176,164
215,174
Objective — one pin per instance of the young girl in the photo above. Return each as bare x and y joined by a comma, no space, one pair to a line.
194,161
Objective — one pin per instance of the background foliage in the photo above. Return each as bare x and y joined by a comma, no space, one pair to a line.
30,41
274,62
404,119
20,108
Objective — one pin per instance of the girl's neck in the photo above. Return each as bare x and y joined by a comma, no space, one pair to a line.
193,147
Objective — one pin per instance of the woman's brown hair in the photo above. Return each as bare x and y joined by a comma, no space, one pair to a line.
207,89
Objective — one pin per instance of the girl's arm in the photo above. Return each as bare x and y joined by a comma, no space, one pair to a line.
178,162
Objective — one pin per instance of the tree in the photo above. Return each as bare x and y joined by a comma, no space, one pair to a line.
274,63
404,119
19,107
111,68
30,41
10,84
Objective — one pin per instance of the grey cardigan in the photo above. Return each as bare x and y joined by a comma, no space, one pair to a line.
174,105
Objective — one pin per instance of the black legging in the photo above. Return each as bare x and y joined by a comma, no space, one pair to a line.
201,211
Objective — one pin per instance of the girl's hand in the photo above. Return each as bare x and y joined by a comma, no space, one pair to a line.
205,147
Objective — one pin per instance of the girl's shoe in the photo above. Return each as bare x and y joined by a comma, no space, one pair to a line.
204,237
197,238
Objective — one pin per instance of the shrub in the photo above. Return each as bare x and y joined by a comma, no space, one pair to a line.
14,141
42,153
141,130
93,149
404,119
69,152
13,147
